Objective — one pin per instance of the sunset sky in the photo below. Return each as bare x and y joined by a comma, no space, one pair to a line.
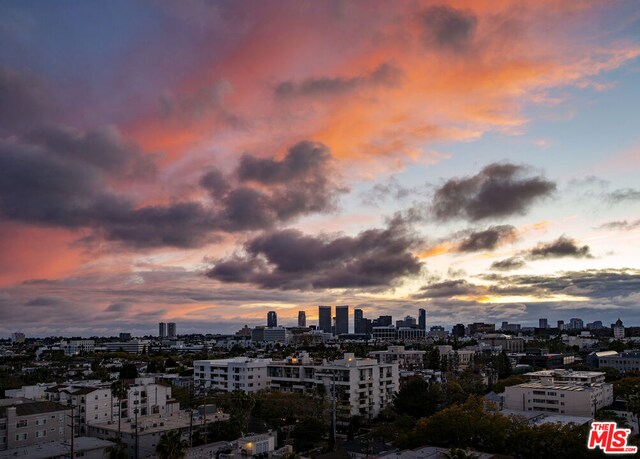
204,162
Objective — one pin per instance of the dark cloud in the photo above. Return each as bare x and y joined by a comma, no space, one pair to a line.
289,259
24,100
117,307
448,288
623,194
384,75
448,28
488,239
59,177
621,225
499,190
508,264
561,247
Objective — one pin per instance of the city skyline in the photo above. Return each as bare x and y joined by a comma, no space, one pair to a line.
204,163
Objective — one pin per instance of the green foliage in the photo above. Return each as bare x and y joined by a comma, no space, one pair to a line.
418,398
433,359
128,371
307,433
510,381
171,445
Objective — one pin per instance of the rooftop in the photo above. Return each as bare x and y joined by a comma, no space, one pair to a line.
56,449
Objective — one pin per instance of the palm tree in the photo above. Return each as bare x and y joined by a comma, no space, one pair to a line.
119,390
171,445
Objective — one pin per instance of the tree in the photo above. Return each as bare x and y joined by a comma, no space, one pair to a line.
119,390
171,445
307,433
503,366
418,398
433,359
128,371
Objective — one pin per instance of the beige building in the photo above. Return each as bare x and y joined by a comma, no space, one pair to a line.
25,422
507,342
573,393
363,386
406,359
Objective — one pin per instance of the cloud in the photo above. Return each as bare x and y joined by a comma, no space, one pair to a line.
508,264
289,259
386,75
499,190
488,239
448,288
561,247
448,28
24,99
623,194
621,225
61,177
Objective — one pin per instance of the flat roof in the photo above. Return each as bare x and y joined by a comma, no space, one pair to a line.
55,448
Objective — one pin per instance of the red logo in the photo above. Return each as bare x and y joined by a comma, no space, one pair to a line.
610,439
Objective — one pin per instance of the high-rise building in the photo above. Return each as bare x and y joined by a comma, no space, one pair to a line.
561,325
125,336
576,324
302,319
272,319
171,330
342,320
358,323
618,330
543,323
422,319
324,318
382,321
162,330
458,330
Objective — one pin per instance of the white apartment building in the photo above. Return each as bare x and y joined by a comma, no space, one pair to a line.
95,404
75,347
363,387
406,359
240,373
573,393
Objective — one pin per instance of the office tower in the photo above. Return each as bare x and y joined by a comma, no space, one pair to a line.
357,321
342,320
125,336
422,319
576,324
458,330
324,318
162,330
561,325
543,323
302,319
272,319
382,321
504,326
171,330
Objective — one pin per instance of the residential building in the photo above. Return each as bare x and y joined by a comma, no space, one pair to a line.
576,324
623,362
302,319
507,342
239,373
363,387
561,391
324,318
272,319
543,323
162,330
172,332
84,447
405,359
25,422
269,334
342,320
75,347
560,325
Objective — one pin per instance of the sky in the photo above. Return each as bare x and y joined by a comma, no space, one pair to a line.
204,162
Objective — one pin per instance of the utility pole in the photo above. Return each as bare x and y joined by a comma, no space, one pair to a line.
333,399
135,411
73,429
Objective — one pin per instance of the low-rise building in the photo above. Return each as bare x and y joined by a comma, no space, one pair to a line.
623,362
507,342
25,423
239,373
406,359
574,393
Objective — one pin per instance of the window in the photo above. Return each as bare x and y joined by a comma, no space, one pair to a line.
41,433
21,423
41,422
22,436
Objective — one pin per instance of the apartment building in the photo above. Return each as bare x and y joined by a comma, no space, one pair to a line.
406,359
507,342
240,373
623,362
573,393
94,403
25,422
363,387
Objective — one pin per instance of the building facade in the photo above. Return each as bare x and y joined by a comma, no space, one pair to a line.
324,319
342,320
26,423
240,373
